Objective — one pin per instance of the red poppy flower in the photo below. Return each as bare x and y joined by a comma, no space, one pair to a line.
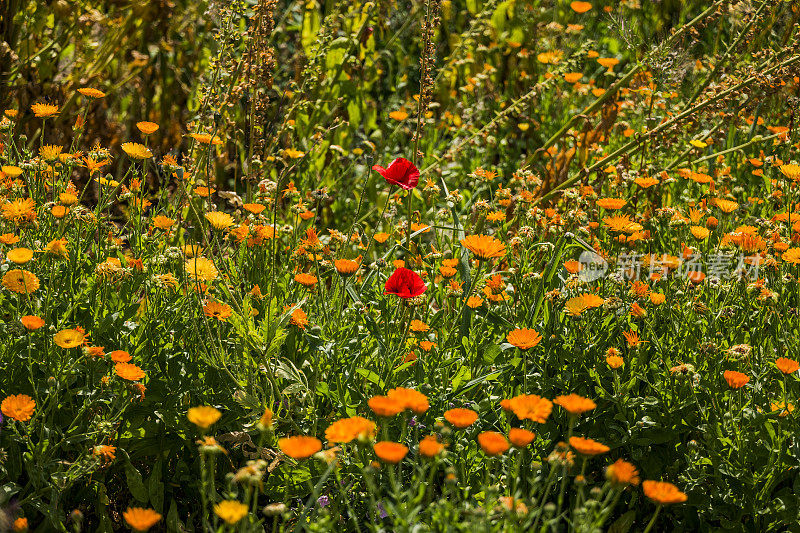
401,172
405,283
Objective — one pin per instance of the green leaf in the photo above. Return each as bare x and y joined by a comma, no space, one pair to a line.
135,483
624,523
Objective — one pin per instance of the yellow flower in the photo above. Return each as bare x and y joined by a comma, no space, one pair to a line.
18,406
44,110
147,127
21,211
20,281
205,138
49,152
69,338
201,269
230,511
791,171
58,247
398,115
219,220
12,171
91,93
203,416
141,519
20,256
136,150
484,246
293,154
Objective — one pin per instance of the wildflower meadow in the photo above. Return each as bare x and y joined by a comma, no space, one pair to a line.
399,265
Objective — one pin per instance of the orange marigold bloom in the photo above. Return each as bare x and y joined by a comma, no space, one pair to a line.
430,446
348,429
461,418
300,447
69,338
203,416
792,255
418,326
218,310
474,302
736,380
346,267
90,92
147,127
129,371
385,406
305,279
136,150
390,452
663,493
119,356
580,7
20,281
31,322
612,204
524,339
574,404
41,110
205,138
141,519
219,220
530,407
786,365
493,443
18,406
520,437
484,246
410,399
587,446
622,473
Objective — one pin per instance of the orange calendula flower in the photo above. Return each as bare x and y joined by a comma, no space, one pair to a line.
201,269
31,322
218,310
203,416
493,443
346,267
529,407
663,493
474,302
786,365
305,279
20,256
390,452
90,92
41,110
147,128
385,406
69,338
21,211
611,204
129,371
205,138
230,511
587,446
410,399
574,404
622,473
614,361
484,246
219,220
140,519
524,339
300,447
18,406
347,429
136,150
20,281
430,446
580,7
520,437
792,255
736,380
461,418
119,356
